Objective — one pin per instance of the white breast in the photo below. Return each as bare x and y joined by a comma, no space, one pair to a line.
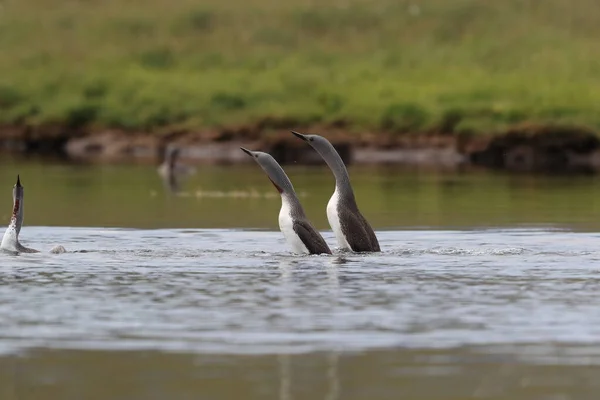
334,221
9,240
286,224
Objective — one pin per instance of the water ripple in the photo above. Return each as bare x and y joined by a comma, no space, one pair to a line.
242,291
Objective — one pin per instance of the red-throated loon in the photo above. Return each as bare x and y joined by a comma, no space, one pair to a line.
295,226
10,240
351,229
172,171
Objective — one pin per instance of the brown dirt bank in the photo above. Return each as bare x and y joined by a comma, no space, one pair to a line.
520,148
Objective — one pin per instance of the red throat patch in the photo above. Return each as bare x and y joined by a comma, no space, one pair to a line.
276,187
16,207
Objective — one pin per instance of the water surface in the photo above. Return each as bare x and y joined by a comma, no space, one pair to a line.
242,197
486,288
483,309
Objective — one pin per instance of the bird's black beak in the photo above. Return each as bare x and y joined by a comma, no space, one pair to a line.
18,181
301,136
247,151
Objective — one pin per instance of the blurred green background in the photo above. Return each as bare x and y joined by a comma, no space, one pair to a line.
393,65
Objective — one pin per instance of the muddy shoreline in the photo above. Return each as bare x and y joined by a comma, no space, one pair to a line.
521,148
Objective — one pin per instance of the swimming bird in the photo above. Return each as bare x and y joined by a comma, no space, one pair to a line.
295,226
10,240
172,171
351,229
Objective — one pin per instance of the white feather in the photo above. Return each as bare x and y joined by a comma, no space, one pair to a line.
334,221
9,240
286,224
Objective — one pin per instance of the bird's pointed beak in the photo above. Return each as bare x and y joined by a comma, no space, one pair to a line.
301,136
18,181
247,151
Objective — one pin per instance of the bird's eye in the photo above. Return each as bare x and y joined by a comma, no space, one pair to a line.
312,139
256,155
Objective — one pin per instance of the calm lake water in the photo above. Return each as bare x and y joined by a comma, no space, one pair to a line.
486,288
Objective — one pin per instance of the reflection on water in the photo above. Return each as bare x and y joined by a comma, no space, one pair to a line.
418,374
242,197
331,387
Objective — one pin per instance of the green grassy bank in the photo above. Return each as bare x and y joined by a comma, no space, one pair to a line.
380,65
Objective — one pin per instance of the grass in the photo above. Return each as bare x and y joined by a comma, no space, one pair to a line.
394,65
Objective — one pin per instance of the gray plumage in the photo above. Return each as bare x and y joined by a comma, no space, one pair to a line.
356,229
312,239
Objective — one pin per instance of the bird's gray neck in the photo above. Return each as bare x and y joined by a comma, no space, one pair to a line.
284,183
342,179
17,219
280,179
10,239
